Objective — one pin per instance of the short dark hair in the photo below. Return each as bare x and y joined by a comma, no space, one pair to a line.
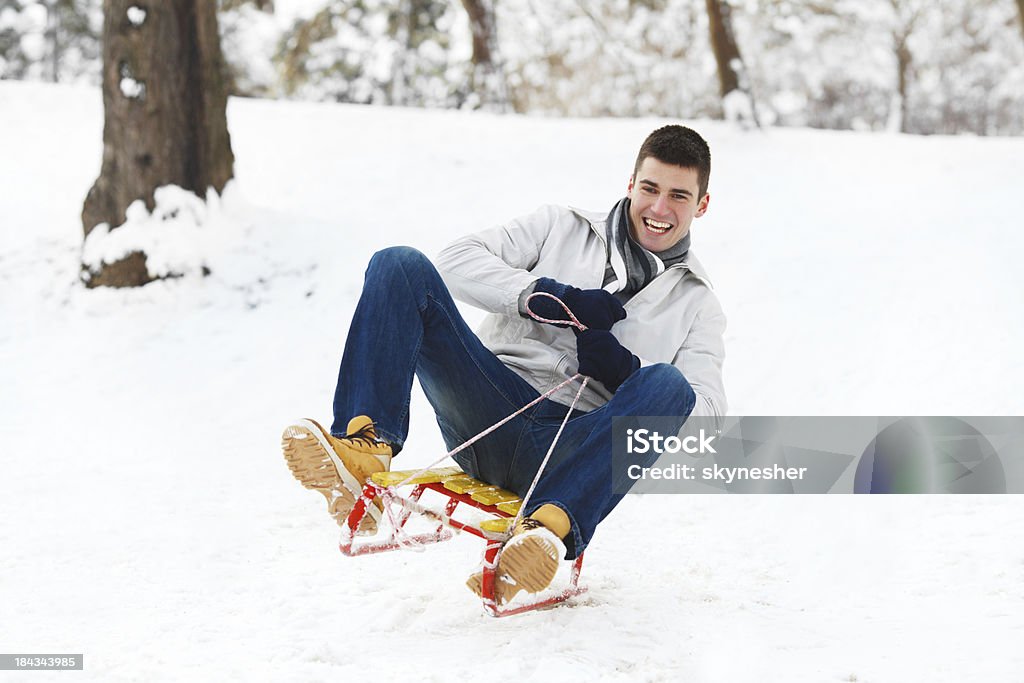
680,146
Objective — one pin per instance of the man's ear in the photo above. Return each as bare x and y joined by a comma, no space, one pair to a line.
629,185
702,205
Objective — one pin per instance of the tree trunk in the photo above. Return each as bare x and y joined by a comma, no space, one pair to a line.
164,100
727,57
905,17
53,35
1020,13
488,79
726,51
903,61
399,86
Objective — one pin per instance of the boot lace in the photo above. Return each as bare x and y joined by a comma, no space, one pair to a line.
366,436
529,524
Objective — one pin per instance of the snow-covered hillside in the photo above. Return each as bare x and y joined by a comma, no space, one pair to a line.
148,520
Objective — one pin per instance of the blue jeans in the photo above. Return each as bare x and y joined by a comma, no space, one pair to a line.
406,324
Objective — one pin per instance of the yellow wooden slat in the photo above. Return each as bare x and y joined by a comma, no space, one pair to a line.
428,477
498,526
472,491
460,475
510,508
467,485
493,497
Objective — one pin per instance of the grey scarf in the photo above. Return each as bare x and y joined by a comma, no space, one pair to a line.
630,266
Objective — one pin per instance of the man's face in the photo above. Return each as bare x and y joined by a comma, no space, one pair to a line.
663,202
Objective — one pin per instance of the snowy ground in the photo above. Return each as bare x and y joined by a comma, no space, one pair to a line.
148,521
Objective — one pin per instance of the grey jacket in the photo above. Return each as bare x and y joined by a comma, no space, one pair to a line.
675,319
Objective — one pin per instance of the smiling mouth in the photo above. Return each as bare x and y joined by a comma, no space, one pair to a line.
657,227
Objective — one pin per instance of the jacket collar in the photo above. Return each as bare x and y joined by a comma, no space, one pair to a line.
597,224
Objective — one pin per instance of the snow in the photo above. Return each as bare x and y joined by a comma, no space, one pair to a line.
172,236
136,15
132,89
33,45
149,521
738,108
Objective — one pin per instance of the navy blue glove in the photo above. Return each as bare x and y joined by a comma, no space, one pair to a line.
602,357
595,308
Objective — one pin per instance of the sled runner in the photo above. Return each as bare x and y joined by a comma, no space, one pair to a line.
459,488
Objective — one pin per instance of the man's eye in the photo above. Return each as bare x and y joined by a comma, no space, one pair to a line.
679,197
647,190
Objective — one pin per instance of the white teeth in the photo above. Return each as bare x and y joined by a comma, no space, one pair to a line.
656,226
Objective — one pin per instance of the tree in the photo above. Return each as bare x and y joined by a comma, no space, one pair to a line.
906,16
164,101
55,40
637,58
737,100
392,52
249,33
261,5
488,78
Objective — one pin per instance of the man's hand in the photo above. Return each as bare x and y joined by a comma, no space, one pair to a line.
595,308
602,357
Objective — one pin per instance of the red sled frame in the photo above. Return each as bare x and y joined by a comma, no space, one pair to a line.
398,539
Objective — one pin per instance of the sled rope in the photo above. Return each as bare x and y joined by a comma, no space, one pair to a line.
387,495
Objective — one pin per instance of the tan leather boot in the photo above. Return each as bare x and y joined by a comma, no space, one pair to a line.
528,561
338,467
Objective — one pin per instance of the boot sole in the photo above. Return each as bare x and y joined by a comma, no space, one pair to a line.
529,564
315,465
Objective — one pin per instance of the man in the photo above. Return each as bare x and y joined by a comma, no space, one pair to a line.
653,346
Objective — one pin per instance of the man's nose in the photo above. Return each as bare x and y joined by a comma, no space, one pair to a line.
661,204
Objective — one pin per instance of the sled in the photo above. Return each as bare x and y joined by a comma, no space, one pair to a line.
460,489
